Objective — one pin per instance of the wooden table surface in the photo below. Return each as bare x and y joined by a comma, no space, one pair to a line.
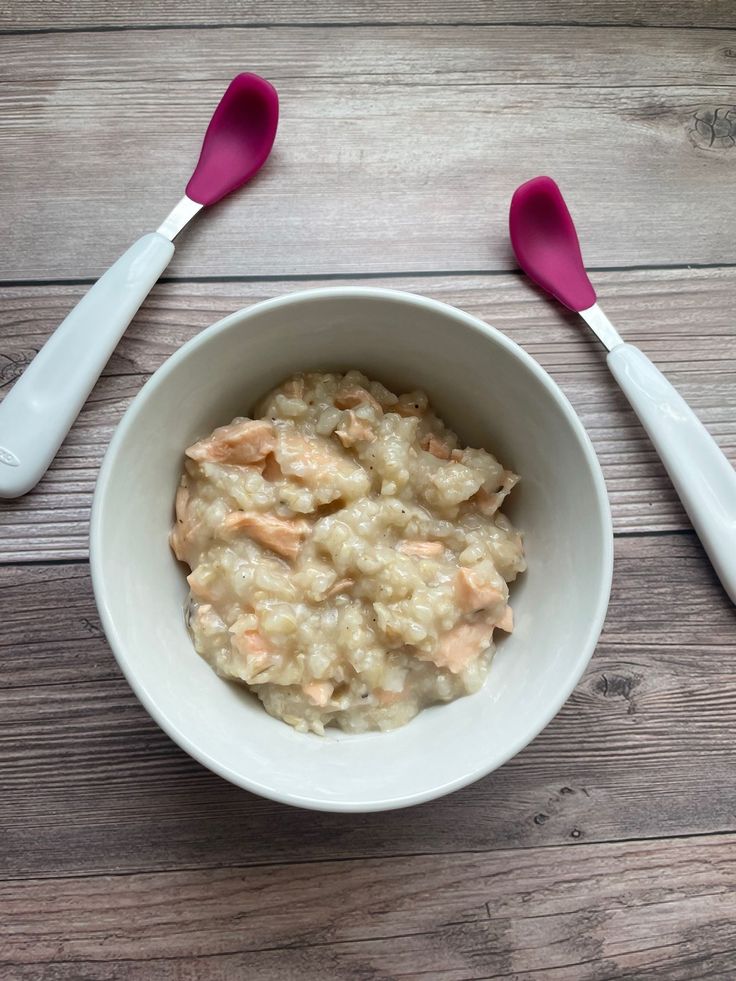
607,848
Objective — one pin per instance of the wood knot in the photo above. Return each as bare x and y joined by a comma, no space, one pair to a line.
91,627
714,128
13,365
618,686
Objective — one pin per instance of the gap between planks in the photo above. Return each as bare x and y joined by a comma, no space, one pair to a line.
339,276
34,17
358,25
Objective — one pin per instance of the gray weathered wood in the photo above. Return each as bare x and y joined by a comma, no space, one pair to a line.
400,143
643,747
62,15
659,910
398,148
682,319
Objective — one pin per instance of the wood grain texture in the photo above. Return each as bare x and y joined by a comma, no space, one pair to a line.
682,319
64,15
656,910
643,747
606,848
398,148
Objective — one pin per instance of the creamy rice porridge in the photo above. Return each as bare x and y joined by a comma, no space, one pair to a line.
349,560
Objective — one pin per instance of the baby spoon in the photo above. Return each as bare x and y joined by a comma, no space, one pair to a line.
544,239
39,410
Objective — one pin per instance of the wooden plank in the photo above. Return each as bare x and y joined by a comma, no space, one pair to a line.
61,15
399,147
659,909
682,319
51,633
643,747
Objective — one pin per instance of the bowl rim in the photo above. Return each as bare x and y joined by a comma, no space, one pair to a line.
203,337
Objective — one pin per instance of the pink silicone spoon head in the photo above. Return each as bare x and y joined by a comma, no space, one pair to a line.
238,139
546,244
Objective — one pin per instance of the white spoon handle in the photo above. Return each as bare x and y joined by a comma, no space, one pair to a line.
702,476
39,410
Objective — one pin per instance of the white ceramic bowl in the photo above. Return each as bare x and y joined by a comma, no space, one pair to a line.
493,395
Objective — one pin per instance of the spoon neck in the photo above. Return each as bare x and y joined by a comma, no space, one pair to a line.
178,218
601,326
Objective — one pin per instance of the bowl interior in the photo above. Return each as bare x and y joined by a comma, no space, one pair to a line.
485,388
